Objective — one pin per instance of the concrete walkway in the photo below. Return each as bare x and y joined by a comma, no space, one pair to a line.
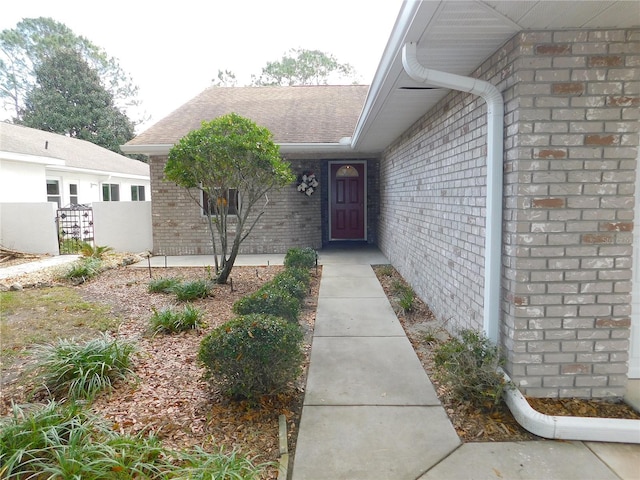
370,411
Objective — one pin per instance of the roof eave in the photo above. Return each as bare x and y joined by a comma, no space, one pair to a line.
344,145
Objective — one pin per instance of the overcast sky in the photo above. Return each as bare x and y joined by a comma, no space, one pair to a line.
174,49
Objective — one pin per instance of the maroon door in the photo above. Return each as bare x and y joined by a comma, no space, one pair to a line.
347,201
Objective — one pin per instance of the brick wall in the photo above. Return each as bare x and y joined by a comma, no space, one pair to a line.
291,219
571,147
571,143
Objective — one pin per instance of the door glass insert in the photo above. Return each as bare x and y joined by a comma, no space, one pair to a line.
347,171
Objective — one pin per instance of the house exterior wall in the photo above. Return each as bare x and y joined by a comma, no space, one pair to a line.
24,181
571,142
291,219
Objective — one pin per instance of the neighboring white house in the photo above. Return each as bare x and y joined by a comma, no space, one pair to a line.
38,166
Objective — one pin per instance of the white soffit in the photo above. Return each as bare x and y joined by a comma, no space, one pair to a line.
456,36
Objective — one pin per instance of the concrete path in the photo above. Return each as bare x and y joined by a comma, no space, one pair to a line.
370,411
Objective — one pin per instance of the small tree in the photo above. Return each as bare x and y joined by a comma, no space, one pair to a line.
228,156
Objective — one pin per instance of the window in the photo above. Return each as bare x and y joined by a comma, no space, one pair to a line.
53,191
137,193
110,192
73,193
231,198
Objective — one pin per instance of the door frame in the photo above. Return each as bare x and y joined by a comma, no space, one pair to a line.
366,203
634,337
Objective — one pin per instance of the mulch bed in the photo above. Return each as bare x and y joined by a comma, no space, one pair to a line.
476,424
169,397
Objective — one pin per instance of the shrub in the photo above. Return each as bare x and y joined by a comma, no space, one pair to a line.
163,285
300,258
187,291
292,281
168,320
253,355
81,371
271,301
468,364
84,269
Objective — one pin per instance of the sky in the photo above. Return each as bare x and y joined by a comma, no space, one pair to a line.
173,50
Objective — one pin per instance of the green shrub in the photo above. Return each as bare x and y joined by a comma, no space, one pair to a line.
84,269
81,371
300,258
270,301
468,364
292,281
253,355
168,320
187,291
64,441
163,285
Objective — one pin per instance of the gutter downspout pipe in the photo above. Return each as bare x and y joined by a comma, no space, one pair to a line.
495,125
547,426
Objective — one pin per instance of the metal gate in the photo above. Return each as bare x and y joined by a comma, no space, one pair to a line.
75,227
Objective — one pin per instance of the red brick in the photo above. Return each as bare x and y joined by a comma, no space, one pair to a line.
552,154
603,238
606,61
553,49
623,101
548,203
601,139
618,227
567,88
612,322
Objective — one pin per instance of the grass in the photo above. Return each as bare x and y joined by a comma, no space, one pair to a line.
163,285
33,316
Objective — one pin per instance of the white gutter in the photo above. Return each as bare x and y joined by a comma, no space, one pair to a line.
547,426
495,125
587,429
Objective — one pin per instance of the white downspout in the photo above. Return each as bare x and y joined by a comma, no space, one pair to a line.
495,123
566,428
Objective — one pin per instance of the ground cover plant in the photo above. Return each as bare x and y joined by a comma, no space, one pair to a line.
169,320
79,371
68,441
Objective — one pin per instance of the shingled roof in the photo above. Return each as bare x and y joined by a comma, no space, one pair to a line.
75,153
301,114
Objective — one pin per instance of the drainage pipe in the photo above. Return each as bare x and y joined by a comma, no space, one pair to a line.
547,426
495,125
589,429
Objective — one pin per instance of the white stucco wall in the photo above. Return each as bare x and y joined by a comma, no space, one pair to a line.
22,182
29,227
123,226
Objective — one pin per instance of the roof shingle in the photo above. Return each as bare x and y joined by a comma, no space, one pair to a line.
301,114
75,153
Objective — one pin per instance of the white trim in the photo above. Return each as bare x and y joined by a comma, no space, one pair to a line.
634,339
365,192
26,158
55,168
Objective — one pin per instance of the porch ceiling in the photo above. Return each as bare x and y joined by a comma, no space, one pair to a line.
456,37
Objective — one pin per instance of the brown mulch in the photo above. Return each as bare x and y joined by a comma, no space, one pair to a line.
471,423
169,396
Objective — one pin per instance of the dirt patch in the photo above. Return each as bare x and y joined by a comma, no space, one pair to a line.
169,396
473,424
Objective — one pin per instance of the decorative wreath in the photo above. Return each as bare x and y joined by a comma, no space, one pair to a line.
307,183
